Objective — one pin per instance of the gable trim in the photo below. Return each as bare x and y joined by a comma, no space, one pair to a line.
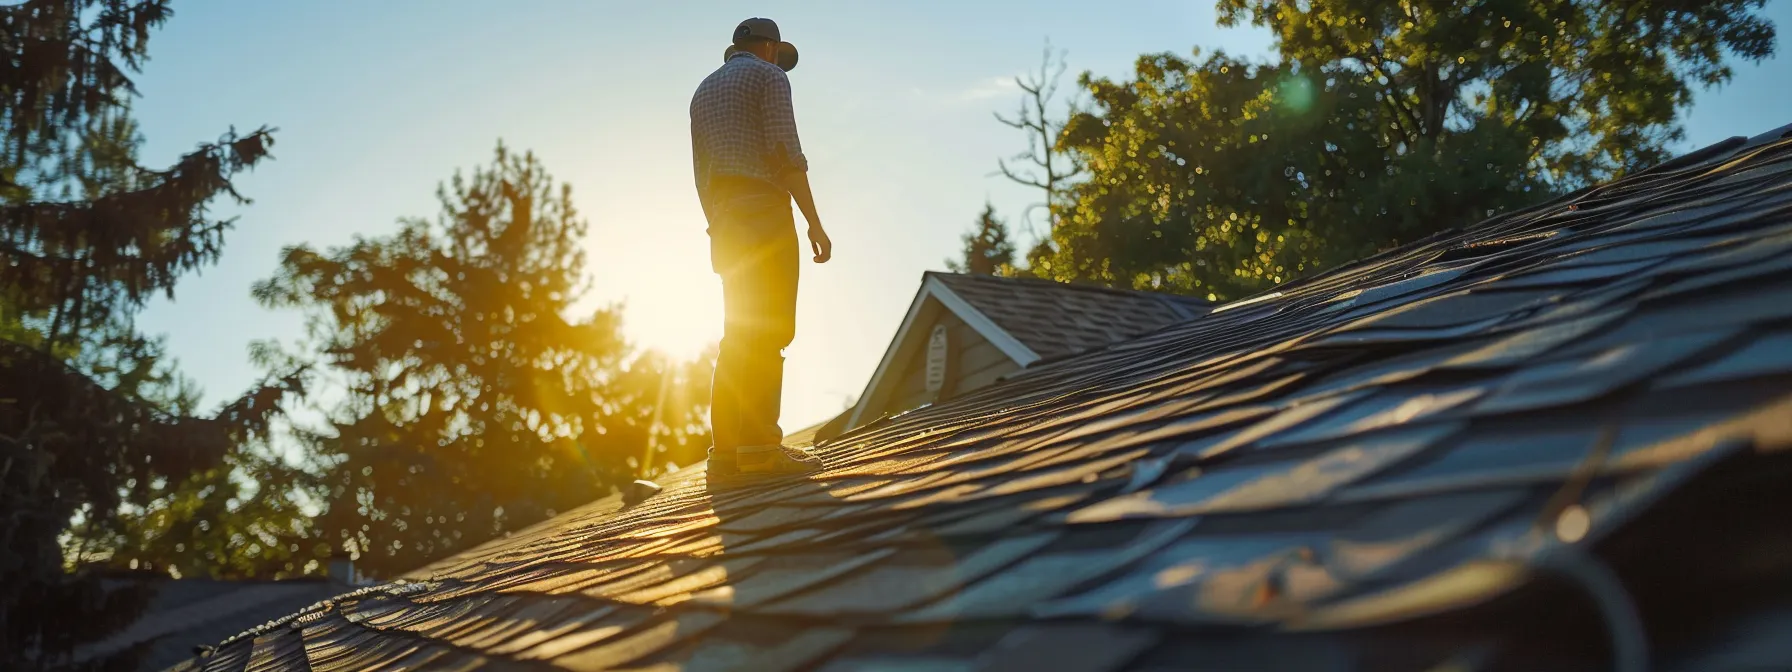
985,327
932,288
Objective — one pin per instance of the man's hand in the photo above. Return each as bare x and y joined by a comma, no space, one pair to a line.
797,183
820,245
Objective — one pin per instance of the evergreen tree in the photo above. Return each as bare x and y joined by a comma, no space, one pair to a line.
474,402
92,416
987,250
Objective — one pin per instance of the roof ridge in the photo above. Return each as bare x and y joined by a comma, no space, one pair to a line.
1074,285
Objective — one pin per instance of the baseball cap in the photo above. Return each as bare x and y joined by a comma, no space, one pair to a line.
762,29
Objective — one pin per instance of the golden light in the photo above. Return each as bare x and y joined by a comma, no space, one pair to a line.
679,316
1573,524
651,255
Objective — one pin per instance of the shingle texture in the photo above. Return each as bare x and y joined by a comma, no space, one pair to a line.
1555,440
1056,319
187,613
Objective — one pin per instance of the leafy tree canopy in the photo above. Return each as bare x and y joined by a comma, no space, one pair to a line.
473,401
1380,123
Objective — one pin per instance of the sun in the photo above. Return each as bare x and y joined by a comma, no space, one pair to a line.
650,254
681,316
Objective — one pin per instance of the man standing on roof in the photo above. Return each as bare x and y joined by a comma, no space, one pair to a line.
749,165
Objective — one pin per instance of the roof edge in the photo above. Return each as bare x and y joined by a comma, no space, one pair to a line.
1169,297
985,327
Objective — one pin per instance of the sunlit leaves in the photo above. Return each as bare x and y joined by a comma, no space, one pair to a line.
1380,123
476,398
1599,84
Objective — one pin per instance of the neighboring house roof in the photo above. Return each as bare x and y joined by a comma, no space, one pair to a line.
187,613
1553,439
1054,319
1028,319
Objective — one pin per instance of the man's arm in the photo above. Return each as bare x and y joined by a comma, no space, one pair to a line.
789,163
699,170
797,183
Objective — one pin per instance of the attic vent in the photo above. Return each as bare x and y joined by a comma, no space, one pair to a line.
938,347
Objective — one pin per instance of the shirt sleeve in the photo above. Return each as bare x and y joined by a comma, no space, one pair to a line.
699,168
784,151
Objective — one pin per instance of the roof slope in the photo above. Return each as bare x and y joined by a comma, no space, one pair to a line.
1553,439
186,613
1055,319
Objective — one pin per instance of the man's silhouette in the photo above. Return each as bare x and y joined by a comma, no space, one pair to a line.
749,165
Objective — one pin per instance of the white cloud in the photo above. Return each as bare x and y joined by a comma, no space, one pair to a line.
981,91
994,87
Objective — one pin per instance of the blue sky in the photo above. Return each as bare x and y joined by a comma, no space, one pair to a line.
379,101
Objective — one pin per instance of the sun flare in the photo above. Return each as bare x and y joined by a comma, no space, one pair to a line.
678,318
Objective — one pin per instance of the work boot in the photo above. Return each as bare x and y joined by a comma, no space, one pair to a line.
760,463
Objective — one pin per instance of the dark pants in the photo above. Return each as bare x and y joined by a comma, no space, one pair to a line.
753,246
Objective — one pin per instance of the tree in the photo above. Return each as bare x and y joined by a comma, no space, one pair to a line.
1380,124
246,517
92,417
1218,177
473,403
1597,88
987,250
1052,168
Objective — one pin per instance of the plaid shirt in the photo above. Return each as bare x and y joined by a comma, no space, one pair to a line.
742,124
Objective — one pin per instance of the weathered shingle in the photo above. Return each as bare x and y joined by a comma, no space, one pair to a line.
1551,440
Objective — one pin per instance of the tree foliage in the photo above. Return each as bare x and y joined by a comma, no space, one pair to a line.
245,517
1595,87
472,402
93,418
987,250
1380,123
65,88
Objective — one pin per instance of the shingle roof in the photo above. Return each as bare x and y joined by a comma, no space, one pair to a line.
186,613
1055,319
1552,439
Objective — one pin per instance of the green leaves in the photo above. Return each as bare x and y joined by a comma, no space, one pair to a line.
1381,123
475,398
1598,84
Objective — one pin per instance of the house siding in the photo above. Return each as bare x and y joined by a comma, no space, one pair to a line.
973,362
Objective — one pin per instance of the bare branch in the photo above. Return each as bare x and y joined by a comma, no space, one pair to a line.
1026,180
1055,169
1005,121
